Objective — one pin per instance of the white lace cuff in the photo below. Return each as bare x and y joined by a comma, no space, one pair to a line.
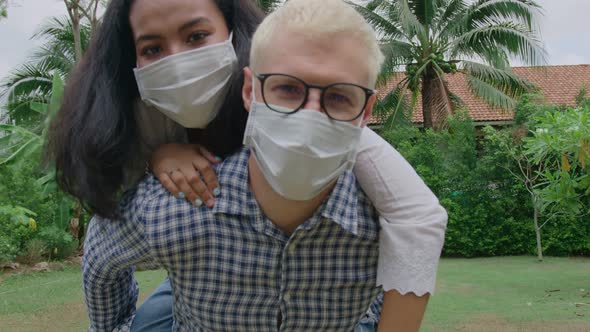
409,256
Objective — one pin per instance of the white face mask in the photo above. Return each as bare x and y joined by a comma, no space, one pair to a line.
300,154
189,87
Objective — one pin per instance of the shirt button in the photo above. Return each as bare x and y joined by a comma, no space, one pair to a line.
287,297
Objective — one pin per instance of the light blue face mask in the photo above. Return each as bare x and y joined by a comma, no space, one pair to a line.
189,87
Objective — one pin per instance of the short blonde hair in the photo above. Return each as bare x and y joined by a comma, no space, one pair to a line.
317,18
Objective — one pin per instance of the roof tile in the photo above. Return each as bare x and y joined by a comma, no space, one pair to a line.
558,84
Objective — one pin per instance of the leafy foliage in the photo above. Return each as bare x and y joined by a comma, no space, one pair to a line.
20,142
17,227
561,140
471,171
32,192
33,213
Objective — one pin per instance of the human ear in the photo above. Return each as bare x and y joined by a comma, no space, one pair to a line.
247,88
369,110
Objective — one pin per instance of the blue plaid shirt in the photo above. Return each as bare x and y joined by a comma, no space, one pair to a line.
230,267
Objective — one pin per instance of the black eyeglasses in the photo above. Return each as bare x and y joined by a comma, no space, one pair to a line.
288,94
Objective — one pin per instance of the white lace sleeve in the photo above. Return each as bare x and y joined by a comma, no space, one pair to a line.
413,223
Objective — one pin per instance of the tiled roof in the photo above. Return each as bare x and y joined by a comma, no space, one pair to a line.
558,84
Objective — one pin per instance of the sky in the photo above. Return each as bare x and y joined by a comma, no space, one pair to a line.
564,30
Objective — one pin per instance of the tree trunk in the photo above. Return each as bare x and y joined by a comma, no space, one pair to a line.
76,30
538,231
75,17
94,21
427,101
436,103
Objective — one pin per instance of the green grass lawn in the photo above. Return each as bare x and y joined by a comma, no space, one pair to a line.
511,294
488,294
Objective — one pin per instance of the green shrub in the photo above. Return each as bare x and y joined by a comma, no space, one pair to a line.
19,187
17,226
561,143
34,215
567,236
8,250
34,252
59,243
490,211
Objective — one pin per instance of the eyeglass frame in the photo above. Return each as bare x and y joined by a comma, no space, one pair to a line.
263,77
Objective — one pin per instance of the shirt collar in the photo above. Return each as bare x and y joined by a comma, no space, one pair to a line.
237,199
342,205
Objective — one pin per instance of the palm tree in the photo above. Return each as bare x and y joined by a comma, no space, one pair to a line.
433,38
32,81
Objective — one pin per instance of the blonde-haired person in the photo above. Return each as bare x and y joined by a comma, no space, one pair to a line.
405,246
307,18
210,288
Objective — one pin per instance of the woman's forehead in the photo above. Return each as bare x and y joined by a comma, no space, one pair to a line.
150,14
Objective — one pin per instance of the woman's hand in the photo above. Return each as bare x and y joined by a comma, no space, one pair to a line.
176,165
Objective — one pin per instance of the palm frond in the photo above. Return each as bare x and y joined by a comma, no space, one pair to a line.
21,110
457,101
394,108
452,10
451,19
25,80
410,23
372,5
21,143
504,80
397,53
55,28
513,38
26,84
490,94
59,33
58,57
424,10
385,28
485,12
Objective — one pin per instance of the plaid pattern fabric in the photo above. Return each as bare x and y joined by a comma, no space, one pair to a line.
231,268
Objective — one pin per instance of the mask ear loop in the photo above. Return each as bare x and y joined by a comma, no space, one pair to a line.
253,87
248,132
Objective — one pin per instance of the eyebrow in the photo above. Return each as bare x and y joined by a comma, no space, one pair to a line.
187,25
193,22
